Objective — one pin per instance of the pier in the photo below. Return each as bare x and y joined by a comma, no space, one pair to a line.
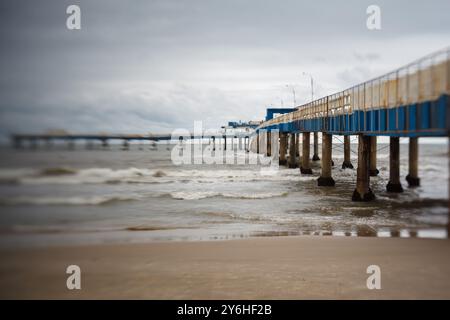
233,140
411,102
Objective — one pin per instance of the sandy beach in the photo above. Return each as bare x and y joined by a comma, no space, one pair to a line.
256,268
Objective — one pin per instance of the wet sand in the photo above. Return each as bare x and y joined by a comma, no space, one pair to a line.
256,268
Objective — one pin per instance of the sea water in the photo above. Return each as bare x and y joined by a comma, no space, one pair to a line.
61,196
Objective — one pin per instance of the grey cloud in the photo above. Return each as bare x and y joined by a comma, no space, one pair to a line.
157,65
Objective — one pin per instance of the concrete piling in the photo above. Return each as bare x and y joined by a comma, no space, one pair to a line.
325,178
283,148
394,184
413,177
373,171
316,147
269,144
347,164
292,150
305,166
257,142
363,191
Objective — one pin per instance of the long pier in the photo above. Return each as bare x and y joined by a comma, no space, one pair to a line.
412,101
230,138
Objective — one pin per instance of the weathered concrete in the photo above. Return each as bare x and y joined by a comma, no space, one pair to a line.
394,184
347,164
305,166
292,149
413,176
268,144
363,191
297,144
283,149
373,171
257,142
325,178
316,147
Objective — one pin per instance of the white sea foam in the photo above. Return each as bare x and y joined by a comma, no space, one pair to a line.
198,195
139,175
54,201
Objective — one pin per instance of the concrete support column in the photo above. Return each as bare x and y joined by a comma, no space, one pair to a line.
373,171
269,144
292,149
304,167
257,142
325,178
214,143
316,147
347,162
413,175
224,142
283,149
394,184
363,191
297,144
240,143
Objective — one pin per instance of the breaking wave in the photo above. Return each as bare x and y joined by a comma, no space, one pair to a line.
198,195
63,175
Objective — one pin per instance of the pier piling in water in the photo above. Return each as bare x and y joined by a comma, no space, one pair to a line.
316,147
305,167
413,177
257,142
268,144
347,164
283,148
325,179
373,171
292,150
394,184
363,191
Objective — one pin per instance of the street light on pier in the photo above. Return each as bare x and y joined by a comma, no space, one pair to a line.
293,92
312,84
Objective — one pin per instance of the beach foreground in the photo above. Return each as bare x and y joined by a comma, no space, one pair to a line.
255,268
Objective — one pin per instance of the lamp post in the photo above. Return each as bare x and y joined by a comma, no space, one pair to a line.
312,85
293,93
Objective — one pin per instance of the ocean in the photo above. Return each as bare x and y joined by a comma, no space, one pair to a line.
60,196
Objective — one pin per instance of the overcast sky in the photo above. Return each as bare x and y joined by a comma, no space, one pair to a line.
152,66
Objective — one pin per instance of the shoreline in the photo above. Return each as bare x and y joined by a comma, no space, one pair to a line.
289,267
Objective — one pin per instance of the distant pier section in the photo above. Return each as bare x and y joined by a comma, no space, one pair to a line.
237,130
